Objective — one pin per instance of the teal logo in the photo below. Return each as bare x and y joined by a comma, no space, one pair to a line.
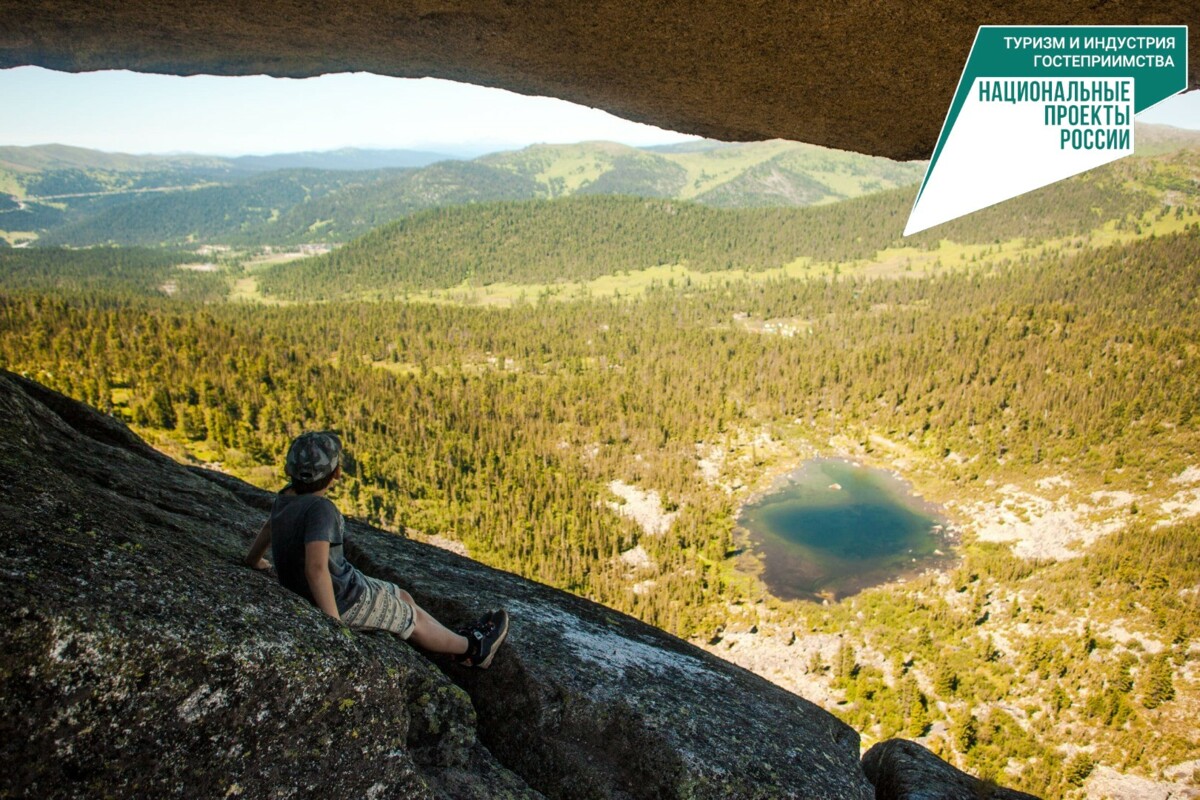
1037,104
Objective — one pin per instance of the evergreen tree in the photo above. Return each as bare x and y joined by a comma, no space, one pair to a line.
1159,685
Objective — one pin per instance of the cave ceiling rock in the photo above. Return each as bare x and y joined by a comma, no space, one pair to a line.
873,76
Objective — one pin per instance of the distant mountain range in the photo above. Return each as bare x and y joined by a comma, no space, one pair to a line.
1154,139
69,196
451,225
54,157
58,195
60,157
587,236
348,158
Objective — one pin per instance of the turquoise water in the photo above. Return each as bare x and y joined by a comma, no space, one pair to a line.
834,528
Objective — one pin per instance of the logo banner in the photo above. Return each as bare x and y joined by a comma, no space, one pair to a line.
1037,104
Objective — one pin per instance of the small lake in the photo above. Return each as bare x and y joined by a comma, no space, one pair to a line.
833,528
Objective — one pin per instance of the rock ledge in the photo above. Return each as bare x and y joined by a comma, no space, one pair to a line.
139,658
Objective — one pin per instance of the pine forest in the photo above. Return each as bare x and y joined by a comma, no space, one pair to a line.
584,385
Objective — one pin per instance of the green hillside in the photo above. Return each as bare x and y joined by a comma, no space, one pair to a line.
90,198
359,206
51,171
59,185
802,175
288,207
80,198
774,173
581,238
563,169
1154,139
49,157
639,174
577,238
223,212
110,271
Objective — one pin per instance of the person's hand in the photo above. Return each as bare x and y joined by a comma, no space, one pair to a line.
262,566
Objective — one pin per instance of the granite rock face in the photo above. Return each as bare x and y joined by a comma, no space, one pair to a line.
863,75
904,770
138,657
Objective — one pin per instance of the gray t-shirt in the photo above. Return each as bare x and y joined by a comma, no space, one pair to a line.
297,519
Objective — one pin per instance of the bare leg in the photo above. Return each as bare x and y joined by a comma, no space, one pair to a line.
431,635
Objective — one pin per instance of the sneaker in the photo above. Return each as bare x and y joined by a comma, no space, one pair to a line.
484,639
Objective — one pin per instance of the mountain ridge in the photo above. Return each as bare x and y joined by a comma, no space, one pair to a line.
583,237
159,201
191,200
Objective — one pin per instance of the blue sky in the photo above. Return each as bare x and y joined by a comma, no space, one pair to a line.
139,113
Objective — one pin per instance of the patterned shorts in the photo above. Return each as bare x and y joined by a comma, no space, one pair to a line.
381,608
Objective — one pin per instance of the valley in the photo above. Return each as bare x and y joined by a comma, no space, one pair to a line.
78,197
586,389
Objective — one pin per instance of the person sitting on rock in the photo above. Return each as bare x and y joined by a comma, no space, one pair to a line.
306,535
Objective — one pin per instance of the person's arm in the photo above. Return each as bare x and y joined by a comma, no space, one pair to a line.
316,571
254,556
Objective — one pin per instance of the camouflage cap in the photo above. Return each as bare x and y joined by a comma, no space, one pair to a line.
313,456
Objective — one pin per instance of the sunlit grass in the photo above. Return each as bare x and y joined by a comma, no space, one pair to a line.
707,169
10,185
891,263
245,290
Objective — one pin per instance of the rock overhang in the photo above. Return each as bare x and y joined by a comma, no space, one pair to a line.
863,75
